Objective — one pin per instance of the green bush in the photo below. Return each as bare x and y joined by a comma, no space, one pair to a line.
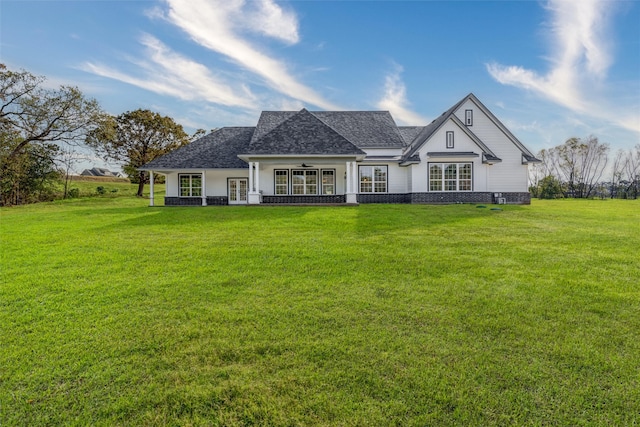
550,188
100,190
73,193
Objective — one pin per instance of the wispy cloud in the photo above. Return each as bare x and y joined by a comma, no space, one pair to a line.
395,100
222,26
169,73
580,59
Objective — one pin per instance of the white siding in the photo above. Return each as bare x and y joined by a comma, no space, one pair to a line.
267,174
397,180
438,143
216,184
510,174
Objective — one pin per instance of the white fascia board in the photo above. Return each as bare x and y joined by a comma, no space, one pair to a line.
258,157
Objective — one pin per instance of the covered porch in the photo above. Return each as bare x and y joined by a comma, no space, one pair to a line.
298,180
302,180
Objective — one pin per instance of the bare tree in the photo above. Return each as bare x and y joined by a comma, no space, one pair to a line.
67,158
579,164
631,172
617,171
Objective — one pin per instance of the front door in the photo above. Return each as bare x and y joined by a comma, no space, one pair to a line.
238,191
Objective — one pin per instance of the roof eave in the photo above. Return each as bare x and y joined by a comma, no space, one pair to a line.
246,157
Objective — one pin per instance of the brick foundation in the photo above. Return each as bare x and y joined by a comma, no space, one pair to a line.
330,199
426,198
194,201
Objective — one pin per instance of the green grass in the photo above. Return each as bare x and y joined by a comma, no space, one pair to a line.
112,187
114,313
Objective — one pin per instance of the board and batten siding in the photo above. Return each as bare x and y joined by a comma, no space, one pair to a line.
438,143
510,175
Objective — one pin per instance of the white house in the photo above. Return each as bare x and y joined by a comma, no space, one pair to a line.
465,155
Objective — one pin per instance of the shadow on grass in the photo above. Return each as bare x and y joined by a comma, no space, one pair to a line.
364,220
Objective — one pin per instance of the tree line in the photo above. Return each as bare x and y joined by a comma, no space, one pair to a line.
40,129
581,168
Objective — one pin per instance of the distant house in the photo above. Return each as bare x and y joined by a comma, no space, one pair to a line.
101,172
465,155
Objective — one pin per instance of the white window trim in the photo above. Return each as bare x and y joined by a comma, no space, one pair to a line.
304,186
323,185
373,179
442,180
191,187
276,185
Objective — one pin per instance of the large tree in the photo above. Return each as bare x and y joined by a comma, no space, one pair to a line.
135,138
32,118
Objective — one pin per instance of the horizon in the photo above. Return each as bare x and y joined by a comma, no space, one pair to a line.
549,71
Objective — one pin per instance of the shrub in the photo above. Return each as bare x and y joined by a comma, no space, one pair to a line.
550,188
100,190
73,193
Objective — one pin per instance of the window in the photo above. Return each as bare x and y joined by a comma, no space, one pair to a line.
464,177
328,181
282,181
304,181
190,185
435,178
450,177
373,179
450,139
468,117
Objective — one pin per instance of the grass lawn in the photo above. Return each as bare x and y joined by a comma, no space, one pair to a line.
114,313
87,186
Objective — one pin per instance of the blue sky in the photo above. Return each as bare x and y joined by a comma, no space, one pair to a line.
550,70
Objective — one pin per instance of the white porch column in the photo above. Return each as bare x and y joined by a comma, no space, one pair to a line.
251,168
257,178
351,188
254,184
150,188
204,189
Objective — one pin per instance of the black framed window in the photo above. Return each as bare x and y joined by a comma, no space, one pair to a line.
450,139
468,117
450,177
281,181
328,181
373,179
190,185
304,181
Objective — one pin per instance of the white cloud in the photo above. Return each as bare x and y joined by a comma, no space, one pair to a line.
220,26
169,73
580,60
395,99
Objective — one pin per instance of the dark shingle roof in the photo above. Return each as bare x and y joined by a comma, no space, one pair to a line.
430,129
302,133
218,149
409,133
268,121
365,129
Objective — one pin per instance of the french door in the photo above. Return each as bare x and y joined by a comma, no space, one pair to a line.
238,190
